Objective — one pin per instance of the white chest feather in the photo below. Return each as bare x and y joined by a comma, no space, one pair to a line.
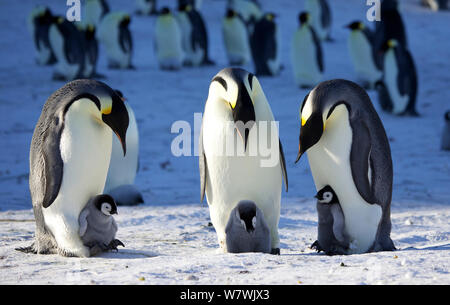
329,161
57,43
391,72
168,39
236,40
362,57
304,58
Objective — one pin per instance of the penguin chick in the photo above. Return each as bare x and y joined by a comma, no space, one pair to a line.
247,231
445,142
97,226
332,237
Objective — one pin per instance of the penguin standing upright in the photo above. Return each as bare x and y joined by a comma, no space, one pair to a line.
231,167
69,159
397,91
90,47
168,41
390,26
348,150
445,140
146,7
67,44
236,39
320,17
39,23
114,33
122,169
362,54
94,11
306,54
265,46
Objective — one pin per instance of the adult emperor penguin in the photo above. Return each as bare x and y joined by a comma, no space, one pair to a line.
168,41
69,159
332,237
67,44
306,54
39,23
94,11
265,46
232,167
391,26
235,36
445,141
397,91
146,7
362,54
247,230
122,169
114,33
90,47
348,150
320,17
97,225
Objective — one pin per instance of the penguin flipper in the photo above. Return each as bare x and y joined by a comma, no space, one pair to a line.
83,222
283,167
360,159
202,166
319,55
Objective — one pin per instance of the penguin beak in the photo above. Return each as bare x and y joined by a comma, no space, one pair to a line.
243,111
118,120
310,133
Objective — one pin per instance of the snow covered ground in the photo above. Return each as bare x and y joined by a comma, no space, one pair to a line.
168,240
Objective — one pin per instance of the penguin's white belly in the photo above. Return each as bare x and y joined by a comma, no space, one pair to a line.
169,43
234,178
329,161
236,41
390,79
122,169
274,64
304,58
88,67
44,53
362,58
62,66
108,35
85,150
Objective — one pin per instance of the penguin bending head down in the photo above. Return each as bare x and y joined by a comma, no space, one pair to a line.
348,150
332,237
247,230
69,159
236,111
97,226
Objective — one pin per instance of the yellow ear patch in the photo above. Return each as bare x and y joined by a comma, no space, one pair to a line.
60,20
303,121
107,110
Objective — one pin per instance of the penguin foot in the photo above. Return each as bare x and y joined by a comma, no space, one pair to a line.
114,244
316,246
29,249
275,251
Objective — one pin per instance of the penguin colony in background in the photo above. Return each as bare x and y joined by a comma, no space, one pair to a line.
345,141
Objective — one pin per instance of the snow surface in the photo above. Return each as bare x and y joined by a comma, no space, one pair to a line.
168,240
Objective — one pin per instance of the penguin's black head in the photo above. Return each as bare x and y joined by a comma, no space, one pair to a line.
231,13
447,116
106,204
165,11
303,17
355,25
126,20
184,7
247,214
270,17
90,32
327,195
388,44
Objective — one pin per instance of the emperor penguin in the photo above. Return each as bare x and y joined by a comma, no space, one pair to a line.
237,120
265,46
94,11
397,91
436,5
168,41
445,141
249,10
114,33
67,44
69,159
362,54
122,169
236,39
306,54
320,17
97,225
146,7
348,150
246,230
39,23
332,237
90,47
391,26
